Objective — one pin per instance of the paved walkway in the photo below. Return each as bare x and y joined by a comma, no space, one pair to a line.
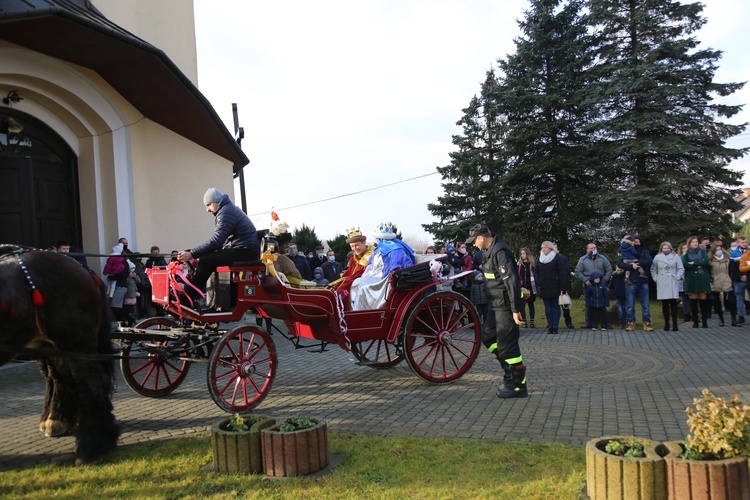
582,384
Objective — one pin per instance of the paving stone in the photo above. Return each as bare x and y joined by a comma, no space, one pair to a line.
582,385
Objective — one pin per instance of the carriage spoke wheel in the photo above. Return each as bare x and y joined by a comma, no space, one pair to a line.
442,337
241,368
154,368
377,353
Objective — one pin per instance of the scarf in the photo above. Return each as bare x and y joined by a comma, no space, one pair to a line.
522,274
546,259
694,254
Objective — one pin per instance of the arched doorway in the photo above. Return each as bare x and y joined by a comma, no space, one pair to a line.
39,199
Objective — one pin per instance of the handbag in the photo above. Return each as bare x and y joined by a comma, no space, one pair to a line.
564,300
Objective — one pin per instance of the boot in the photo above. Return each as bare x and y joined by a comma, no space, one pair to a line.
517,389
734,319
721,319
507,381
705,310
694,311
630,327
674,326
647,327
665,311
531,323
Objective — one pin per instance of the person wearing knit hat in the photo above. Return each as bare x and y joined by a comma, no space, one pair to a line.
235,239
212,195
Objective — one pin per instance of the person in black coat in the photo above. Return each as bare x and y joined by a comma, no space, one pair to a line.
552,278
500,331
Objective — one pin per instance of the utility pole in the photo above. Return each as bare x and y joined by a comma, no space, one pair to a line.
239,134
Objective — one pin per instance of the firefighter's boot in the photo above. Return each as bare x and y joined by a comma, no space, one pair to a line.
518,383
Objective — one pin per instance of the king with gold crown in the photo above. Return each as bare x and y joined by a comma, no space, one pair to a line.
361,253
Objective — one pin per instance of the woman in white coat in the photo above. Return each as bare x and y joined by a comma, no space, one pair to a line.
667,271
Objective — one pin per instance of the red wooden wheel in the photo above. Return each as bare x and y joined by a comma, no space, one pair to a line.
150,369
377,353
442,337
241,368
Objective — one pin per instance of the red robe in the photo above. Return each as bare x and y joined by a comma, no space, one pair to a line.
354,270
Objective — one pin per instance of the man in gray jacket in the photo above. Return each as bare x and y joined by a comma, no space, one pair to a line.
592,262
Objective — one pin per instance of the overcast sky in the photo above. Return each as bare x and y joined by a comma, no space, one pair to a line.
339,97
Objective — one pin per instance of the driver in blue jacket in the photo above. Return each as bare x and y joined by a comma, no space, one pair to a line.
234,240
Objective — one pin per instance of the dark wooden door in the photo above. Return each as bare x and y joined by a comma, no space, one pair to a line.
38,185
16,209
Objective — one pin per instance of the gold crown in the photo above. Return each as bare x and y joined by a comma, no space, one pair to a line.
351,233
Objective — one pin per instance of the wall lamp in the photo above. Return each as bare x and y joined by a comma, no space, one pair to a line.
12,98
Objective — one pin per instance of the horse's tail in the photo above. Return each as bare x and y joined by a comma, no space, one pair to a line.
104,335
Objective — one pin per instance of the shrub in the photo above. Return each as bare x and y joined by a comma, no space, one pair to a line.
718,428
632,448
296,423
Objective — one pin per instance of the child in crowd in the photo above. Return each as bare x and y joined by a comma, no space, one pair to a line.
479,295
131,296
630,256
318,277
597,301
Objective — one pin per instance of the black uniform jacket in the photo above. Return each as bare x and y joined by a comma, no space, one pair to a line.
501,276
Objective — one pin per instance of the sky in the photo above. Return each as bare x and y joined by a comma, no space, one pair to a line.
340,98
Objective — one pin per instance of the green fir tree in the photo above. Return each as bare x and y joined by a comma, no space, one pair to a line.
659,130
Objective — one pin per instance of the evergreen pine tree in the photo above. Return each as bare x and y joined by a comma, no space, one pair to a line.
551,182
473,170
658,132
305,238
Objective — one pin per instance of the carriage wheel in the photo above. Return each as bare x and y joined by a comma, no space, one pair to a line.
442,337
241,368
377,353
149,371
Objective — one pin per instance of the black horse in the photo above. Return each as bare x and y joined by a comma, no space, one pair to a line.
50,301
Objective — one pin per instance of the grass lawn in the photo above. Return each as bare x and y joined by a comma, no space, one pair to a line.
374,467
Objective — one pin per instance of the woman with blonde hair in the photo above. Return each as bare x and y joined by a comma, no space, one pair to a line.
722,290
552,278
667,271
697,280
526,270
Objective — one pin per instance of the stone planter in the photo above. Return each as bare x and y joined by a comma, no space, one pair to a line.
295,453
238,451
705,479
611,477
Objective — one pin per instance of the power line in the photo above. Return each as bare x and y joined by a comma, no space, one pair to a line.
345,195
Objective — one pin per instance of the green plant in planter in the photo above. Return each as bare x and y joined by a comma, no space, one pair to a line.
631,449
238,423
718,428
296,423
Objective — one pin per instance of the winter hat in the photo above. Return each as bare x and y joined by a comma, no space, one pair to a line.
318,272
477,274
450,248
131,265
212,195
594,275
735,254
117,249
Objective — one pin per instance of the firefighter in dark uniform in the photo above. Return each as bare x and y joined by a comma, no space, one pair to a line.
500,330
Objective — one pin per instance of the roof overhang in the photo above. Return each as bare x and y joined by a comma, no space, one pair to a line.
140,72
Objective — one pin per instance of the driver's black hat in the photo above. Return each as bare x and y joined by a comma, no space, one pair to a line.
477,230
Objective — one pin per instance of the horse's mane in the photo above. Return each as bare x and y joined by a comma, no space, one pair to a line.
10,249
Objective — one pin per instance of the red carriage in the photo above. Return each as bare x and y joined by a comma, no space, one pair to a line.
436,330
